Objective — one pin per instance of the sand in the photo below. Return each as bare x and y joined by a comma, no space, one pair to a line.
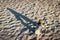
19,19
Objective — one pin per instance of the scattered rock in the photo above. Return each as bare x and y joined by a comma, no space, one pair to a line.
46,11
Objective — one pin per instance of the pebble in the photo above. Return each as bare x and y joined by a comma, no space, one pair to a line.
0,29
41,21
26,32
37,32
0,22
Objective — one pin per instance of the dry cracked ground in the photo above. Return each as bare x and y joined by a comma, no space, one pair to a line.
19,19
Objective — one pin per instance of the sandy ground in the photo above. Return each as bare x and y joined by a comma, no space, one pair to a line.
19,19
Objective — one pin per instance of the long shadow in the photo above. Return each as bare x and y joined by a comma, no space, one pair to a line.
19,16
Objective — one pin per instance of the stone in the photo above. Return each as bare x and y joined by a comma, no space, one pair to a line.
49,22
0,22
41,21
26,32
37,32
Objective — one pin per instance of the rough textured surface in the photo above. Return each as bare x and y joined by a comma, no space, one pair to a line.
19,19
